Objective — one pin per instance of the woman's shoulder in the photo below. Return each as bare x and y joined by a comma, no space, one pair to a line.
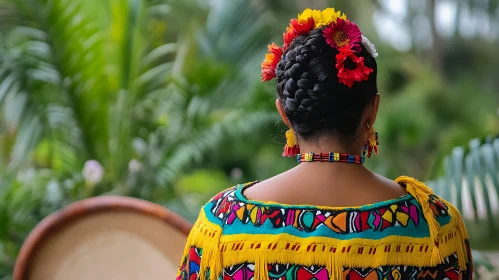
439,213
221,206
445,223
230,207
433,204
420,214
405,215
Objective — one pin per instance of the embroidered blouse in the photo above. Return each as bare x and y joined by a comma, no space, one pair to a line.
416,236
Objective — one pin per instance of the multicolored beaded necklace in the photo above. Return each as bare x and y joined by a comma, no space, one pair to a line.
330,157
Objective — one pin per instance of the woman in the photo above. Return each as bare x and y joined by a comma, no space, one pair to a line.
303,223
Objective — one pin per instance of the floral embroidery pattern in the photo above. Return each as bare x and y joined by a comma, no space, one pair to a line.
245,271
228,208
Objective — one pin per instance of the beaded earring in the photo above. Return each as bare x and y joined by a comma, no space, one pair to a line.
371,144
291,149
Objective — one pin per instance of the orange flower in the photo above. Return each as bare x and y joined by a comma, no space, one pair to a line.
297,27
356,71
270,62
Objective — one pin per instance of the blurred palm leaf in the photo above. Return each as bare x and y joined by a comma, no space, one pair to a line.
86,79
104,77
233,125
27,70
196,112
471,182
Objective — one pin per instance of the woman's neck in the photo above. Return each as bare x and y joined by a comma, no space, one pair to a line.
330,145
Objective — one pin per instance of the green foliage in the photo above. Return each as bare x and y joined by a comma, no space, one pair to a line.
109,81
437,115
25,202
471,183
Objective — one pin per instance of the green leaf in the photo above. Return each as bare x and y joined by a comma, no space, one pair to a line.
474,177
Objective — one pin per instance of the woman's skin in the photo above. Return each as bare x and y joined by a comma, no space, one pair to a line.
325,183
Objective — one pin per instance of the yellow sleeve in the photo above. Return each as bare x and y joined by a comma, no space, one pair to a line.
202,258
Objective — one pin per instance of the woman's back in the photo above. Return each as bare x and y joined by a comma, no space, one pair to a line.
334,185
415,236
328,97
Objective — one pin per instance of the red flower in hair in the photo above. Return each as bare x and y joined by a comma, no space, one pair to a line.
350,67
270,62
341,33
297,27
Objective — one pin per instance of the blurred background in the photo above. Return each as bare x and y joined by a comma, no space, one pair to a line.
162,100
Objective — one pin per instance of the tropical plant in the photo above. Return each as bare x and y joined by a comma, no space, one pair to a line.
97,86
471,182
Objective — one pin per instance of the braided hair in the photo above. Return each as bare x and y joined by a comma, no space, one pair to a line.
312,97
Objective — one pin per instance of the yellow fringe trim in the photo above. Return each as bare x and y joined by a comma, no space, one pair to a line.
422,193
463,234
221,251
331,253
206,235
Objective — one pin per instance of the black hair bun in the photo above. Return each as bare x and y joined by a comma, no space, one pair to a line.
313,98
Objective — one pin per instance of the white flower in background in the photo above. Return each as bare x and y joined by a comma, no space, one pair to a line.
93,172
134,166
53,193
369,46
26,176
139,146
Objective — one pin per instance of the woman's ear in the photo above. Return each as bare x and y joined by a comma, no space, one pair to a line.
280,109
375,105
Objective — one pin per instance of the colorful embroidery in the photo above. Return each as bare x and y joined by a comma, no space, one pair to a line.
191,265
447,270
276,271
228,208
420,236
237,272
438,208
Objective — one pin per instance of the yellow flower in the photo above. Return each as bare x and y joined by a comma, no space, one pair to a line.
329,15
321,18
308,13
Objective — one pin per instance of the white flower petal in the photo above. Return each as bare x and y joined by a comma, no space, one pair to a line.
369,46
